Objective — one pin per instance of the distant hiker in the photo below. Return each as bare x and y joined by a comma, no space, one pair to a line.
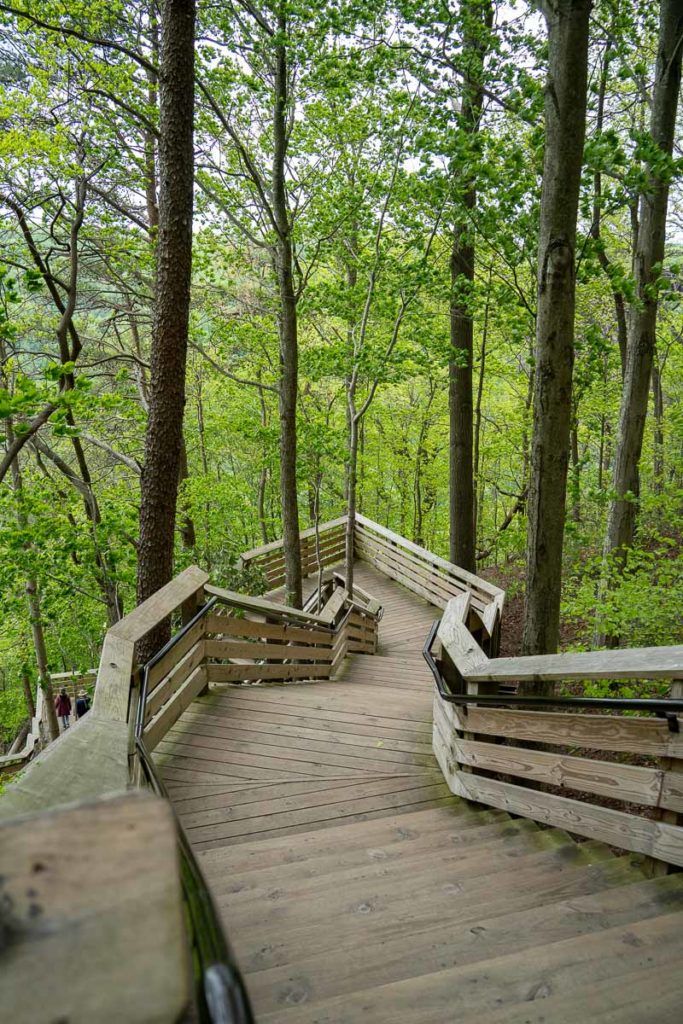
82,704
63,707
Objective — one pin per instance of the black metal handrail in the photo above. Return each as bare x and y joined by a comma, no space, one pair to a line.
667,707
220,992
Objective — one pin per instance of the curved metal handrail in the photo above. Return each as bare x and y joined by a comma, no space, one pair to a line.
667,707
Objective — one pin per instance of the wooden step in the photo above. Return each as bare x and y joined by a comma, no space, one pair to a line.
375,918
558,969
284,886
232,874
427,880
453,815
406,955
648,995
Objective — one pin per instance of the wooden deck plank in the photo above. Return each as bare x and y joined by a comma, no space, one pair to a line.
321,977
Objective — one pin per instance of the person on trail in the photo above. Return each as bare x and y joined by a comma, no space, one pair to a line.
63,707
82,704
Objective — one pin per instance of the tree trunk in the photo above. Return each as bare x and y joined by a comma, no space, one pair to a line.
28,692
658,411
649,254
603,260
476,467
351,482
261,504
164,436
187,530
565,121
287,325
576,468
477,20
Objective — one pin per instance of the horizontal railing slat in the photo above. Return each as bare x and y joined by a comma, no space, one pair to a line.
646,736
633,663
256,650
229,625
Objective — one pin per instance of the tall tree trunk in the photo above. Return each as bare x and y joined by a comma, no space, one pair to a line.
477,18
603,259
476,467
658,411
164,436
287,325
28,692
34,607
187,530
565,122
649,254
576,467
351,485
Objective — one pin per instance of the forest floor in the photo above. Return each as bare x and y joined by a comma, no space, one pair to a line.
510,578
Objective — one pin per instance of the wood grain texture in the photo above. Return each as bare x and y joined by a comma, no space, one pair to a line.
92,916
87,761
597,732
626,831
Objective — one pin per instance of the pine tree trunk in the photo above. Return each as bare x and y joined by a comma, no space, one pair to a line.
164,436
565,121
477,20
649,253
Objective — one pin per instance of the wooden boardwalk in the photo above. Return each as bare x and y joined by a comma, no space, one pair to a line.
356,888
267,761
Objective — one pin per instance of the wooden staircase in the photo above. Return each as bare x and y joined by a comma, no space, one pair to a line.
382,835
449,914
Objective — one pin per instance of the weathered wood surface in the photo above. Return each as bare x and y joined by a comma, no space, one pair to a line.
87,761
475,583
291,652
651,787
354,892
259,605
229,625
626,831
219,672
367,735
276,545
160,605
596,732
91,916
630,663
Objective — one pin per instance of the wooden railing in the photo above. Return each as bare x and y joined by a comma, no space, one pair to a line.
270,558
38,734
419,570
240,639
549,752
60,839
224,637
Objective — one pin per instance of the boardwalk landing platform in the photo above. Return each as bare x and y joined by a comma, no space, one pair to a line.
355,887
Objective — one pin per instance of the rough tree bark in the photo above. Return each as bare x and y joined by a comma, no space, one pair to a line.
164,436
649,253
477,18
565,122
287,325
